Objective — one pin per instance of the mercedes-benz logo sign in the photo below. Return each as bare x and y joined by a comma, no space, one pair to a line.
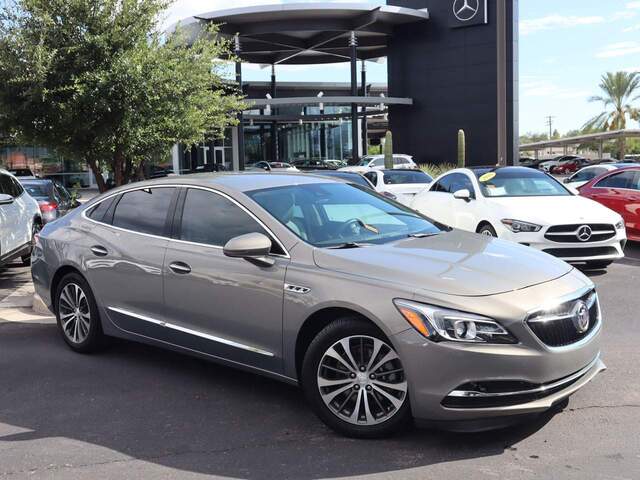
466,10
584,233
581,317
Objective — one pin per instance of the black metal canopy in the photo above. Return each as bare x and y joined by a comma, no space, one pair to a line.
308,33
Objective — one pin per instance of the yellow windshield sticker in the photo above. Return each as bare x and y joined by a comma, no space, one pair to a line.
487,176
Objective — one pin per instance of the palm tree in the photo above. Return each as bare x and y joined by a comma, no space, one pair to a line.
618,89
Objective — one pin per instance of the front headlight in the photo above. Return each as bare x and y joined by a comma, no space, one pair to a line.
620,225
518,226
440,324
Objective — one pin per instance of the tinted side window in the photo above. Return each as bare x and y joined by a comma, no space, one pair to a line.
378,162
17,188
212,219
144,211
5,185
372,177
97,212
619,180
444,184
459,181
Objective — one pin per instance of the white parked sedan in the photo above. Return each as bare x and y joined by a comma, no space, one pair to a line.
399,184
376,162
529,207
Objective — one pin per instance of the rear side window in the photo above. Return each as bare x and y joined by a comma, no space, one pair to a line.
97,212
5,185
452,183
144,211
619,180
212,219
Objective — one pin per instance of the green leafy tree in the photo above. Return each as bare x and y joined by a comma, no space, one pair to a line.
98,80
619,91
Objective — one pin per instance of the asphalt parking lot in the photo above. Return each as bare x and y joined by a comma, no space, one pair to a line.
139,412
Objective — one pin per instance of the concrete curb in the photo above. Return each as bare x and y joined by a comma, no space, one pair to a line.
38,306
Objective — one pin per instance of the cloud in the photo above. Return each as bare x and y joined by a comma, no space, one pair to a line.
619,50
632,69
632,28
556,21
633,5
542,87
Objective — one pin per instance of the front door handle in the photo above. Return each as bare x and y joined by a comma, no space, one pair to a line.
180,268
99,250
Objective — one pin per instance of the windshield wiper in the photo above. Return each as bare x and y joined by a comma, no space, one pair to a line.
347,245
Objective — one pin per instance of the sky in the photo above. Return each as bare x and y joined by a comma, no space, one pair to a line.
565,47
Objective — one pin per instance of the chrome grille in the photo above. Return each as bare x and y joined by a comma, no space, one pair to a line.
572,233
559,327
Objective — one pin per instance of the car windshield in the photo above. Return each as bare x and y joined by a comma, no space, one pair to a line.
396,177
340,215
518,182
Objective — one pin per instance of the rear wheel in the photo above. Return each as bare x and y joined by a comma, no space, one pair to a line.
487,230
355,381
77,314
599,265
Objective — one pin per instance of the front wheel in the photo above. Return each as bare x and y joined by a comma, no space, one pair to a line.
355,380
487,230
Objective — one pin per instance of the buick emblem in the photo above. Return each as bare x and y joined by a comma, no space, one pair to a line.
584,233
466,10
581,317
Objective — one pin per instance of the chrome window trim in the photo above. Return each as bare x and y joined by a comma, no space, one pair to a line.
162,237
541,389
189,331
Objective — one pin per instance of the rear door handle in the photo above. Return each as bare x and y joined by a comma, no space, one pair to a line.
99,250
180,268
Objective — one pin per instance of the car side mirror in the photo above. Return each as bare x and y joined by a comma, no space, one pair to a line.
463,194
253,247
5,199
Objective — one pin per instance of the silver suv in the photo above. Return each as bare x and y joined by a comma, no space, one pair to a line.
380,314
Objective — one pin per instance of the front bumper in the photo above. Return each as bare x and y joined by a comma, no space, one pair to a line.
572,252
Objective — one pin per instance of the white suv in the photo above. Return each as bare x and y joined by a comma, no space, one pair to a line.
20,220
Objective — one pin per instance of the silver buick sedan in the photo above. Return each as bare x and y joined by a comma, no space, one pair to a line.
380,314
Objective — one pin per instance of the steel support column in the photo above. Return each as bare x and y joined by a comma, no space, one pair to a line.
237,51
274,125
364,93
353,44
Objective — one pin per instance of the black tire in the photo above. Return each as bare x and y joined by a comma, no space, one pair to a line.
487,230
35,229
94,339
340,329
599,265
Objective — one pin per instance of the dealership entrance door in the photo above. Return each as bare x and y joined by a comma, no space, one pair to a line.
218,156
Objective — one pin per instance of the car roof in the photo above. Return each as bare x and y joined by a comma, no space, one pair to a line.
239,181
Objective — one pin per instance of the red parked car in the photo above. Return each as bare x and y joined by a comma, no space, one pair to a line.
569,166
620,191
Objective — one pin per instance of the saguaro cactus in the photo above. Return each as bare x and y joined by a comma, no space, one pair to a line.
388,150
462,149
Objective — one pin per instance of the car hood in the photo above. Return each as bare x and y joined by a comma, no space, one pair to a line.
454,263
565,210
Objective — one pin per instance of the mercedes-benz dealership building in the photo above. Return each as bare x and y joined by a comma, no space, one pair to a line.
451,65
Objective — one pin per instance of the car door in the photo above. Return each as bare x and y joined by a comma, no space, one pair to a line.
465,213
9,218
631,213
124,254
612,191
437,202
226,307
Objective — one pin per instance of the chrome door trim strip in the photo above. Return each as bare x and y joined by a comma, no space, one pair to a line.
195,333
541,389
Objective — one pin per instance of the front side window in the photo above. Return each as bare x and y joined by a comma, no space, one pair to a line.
619,180
5,185
518,182
372,177
212,219
378,162
144,211
587,174
334,214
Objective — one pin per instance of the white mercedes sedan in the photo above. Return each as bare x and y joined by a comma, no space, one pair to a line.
528,207
399,184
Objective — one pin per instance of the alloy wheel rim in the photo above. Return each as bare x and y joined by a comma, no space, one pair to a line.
75,316
361,380
487,233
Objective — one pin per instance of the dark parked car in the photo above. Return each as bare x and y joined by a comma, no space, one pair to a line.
352,177
54,200
307,164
